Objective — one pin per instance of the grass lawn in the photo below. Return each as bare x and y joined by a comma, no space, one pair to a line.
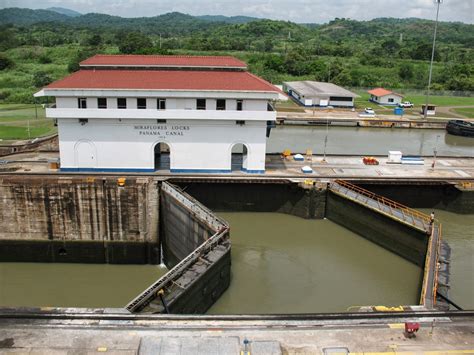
19,112
289,106
418,100
465,111
15,119
441,100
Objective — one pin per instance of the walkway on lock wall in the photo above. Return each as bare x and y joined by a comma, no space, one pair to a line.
382,205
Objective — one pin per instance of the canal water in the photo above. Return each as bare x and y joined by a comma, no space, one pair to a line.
280,264
73,285
368,141
286,264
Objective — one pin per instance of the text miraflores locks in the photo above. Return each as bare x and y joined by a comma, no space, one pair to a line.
159,130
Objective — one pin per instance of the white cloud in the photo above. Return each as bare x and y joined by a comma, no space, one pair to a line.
293,10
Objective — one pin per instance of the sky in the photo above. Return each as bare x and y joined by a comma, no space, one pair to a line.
300,11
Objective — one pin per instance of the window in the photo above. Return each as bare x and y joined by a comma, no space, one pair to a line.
390,100
340,98
220,105
240,105
160,121
240,123
82,102
121,102
161,104
102,102
141,103
200,104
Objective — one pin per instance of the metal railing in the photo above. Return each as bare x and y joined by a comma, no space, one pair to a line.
430,272
407,212
146,296
201,212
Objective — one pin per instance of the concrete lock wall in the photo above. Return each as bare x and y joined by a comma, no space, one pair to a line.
79,220
444,196
181,231
395,236
282,197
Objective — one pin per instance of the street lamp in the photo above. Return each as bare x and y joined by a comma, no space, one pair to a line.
425,111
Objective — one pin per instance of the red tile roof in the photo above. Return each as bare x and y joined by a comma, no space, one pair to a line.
164,61
191,80
382,92
379,92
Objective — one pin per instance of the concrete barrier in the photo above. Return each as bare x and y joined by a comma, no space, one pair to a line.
447,196
79,219
282,197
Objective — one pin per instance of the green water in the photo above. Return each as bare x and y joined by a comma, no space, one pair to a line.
73,285
280,264
285,264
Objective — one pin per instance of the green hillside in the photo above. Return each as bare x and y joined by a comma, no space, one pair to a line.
38,46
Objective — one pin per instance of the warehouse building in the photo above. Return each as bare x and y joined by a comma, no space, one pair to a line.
145,113
315,93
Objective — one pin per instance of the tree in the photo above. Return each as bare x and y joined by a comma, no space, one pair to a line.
406,72
390,46
134,42
94,41
5,62
41,79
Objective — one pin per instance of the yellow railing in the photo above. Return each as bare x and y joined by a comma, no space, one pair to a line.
406,211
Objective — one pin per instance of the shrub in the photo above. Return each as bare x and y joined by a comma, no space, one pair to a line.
5,62
44,59
41,79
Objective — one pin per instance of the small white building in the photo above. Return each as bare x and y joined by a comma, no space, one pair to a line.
315,93
384,97
178,113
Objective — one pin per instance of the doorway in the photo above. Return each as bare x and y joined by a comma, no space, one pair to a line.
162,156
239,155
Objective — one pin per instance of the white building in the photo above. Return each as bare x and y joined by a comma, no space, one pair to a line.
144,113
385,97
315,93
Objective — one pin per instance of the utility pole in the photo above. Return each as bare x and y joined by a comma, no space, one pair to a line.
326,140
435,152
425,111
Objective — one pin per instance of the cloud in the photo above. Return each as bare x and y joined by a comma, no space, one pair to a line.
315,11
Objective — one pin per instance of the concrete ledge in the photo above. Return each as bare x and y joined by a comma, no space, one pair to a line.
89,252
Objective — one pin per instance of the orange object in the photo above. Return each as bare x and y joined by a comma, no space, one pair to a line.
370,161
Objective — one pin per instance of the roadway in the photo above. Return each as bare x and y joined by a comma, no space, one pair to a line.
335,167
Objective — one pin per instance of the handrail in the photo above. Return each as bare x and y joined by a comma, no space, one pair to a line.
386,201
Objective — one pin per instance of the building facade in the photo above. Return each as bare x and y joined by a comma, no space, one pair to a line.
384,97
315,93
147,113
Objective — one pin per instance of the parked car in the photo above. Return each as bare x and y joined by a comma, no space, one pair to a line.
406,104
369,111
